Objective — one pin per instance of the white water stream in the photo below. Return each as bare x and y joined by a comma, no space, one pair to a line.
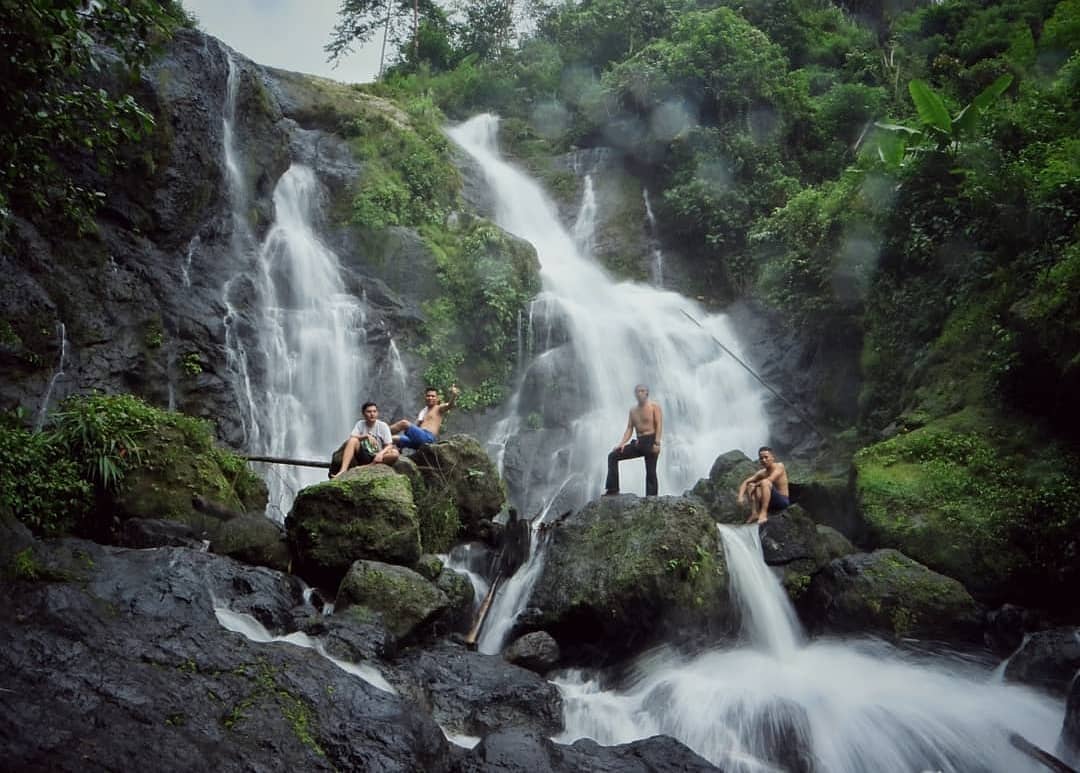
851,707
58,373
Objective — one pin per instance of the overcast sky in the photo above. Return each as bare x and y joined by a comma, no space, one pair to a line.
284,33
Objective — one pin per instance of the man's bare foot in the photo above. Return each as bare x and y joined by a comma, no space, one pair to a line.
763,519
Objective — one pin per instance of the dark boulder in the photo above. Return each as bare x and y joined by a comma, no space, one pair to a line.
1047,659
253,539
520,750
366,513
1069,743
888,593
461,597
625,572
718,491
535,651
469,693
126,667
796,545
155,533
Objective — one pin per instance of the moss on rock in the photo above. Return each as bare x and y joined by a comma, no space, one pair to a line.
889,593
367,512
462,490
403,599
625,572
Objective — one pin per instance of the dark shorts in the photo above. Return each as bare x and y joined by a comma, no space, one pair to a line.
778,502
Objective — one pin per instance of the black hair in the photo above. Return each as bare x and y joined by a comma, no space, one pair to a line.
367,405
764,448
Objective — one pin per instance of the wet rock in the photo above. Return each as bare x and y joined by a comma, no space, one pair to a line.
462,600
402,600
793,542
888,593
1006,626
535,651
155,533
520,750
1047,659
625,572
829,501
458,467
836,544
253,539
366,513
474,694
127,666
430,566
349,639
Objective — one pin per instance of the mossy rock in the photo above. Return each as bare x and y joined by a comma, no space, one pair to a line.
718,491
366,513
457,470
626,572
403,600
887,593
172,467
462,597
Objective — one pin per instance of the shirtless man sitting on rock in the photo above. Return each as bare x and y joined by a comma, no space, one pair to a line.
768,488
428,423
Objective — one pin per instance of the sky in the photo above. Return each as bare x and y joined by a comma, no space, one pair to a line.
284,33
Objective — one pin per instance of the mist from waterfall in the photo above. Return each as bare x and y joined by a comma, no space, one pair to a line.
621,334
843,707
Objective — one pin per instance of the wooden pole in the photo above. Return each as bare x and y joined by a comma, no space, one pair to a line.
481,615
281,460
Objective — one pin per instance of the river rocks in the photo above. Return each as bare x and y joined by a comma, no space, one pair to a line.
888,593
1047,659
519,750
625,572
367,513
535,651
127,668
141,533
403,600
461,598
793,542
458,467
473,694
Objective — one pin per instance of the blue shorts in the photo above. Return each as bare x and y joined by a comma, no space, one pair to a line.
414,437
778,502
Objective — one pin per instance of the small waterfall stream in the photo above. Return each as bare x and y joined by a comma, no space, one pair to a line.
58,373
842,707
656,268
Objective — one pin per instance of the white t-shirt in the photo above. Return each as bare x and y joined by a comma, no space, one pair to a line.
381,430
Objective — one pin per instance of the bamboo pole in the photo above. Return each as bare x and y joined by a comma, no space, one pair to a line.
1036,753
481,615
282,460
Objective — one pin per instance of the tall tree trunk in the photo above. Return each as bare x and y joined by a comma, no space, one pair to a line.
416,30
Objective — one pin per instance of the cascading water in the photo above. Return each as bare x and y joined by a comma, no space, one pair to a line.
309,331
620,334
828,706
43,412
656,269
585,223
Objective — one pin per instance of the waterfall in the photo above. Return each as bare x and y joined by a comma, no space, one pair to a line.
842,707
621,333
656,269
305,328
585,223
767,617
43,412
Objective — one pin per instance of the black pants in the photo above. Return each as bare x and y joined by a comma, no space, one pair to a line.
642,445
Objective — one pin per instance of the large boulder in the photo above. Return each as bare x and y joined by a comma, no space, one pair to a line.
132,670
625,572
1047,659
461,598
469,693
402,600
888,593
718,491
535,651
458,469
253,539
366,513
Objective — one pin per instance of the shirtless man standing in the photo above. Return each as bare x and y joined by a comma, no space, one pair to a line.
428,422
768,488
648,422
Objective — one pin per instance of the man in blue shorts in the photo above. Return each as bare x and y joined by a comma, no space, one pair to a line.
428,423
768,488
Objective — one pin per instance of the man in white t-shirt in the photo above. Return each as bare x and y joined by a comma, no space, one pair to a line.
370,442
